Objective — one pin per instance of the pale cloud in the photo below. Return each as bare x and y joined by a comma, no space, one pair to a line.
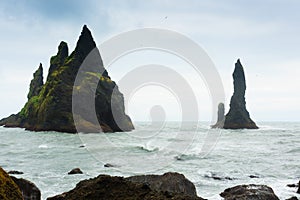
194,24
265,35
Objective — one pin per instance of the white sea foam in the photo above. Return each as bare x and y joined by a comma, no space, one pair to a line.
271,153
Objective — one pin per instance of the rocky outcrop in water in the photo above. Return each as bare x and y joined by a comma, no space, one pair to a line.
249,192
139,187
75,171
15,172
238,117
221,116
298,191
8,189
49,105
29,190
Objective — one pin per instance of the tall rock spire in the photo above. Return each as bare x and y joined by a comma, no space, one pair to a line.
221,116
36,83
85,44
59,58
52,109
238,117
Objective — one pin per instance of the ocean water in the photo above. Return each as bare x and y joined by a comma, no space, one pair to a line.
272,153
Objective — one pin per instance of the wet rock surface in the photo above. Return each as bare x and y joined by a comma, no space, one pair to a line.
75,171
29,190
134,188
249,192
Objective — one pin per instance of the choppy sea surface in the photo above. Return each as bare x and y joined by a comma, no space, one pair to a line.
226,159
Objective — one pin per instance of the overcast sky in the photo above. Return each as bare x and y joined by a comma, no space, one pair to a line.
265,35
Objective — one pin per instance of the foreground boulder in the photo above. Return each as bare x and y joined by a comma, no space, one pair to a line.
8,189
49,106
249,192
292,198
238,117
106,187
168,182
298,191
29,190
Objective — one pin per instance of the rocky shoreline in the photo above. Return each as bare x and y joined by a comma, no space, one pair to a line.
170,185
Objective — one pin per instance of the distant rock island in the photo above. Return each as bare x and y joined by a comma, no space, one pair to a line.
238,117
221,116
49,105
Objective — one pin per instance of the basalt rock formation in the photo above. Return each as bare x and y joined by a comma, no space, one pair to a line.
238,117
29,190
221,116
253,192
119,188
36,83
169,182
49,105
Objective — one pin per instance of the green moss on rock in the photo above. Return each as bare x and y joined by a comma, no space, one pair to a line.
49,105
36,83
8,189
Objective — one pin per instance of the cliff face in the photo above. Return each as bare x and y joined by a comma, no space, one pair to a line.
49,106
238,117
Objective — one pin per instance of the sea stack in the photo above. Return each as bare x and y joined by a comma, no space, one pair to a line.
238,117
49,105
221,116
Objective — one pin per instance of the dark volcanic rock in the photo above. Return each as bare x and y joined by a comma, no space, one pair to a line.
217,177
108,165
292,198
75,171
8,189
29,190
292,185
36,83
249,192
15,172
49,106
298,191
238,117
221,116
106,187
59,58
168,182
253,176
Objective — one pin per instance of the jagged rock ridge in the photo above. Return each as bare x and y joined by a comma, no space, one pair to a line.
37,83
238,117
49,106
